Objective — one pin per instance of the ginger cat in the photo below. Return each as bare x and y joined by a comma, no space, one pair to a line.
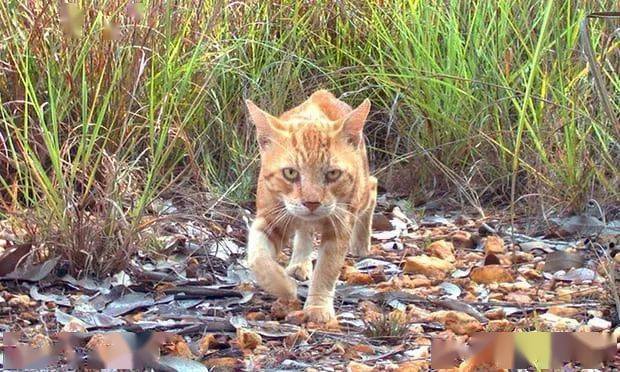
314,176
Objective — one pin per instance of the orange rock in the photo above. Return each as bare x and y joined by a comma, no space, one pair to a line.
502,325
442,249
363,348
358,367
519,298
458,322
564,311
416,366
462,239
491,274
296,317
495,314
494,244
224,363
357,278
255,315
432,267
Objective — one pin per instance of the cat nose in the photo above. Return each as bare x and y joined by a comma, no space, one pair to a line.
311,205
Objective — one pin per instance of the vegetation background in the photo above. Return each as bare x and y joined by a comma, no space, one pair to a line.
107,105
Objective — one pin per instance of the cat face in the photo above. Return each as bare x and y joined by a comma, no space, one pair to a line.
308,161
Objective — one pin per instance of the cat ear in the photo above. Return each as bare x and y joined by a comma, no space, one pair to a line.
353,124
267,126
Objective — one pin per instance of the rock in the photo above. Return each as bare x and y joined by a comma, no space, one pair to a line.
495,314
564,294
458,322
358,278
417,314
74,325
501,325
296,317
433,267
442,249
558,323
358,367
491,274
462,239
223,364
248,339
564,311
518,298
494,244
598,324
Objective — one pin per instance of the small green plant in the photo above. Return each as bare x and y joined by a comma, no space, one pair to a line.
389,326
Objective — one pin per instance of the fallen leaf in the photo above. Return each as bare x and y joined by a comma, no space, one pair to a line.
247,339
297,317
74,325
491,274
381,223
559,324
494,244
442,249
182,364
296,338
177,346
281,307
12,256
430,266
222,364
491,259
22,301
519,298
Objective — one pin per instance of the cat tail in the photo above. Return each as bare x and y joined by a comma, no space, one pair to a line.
269,275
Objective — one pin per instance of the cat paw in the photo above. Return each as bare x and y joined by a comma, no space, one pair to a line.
300,271
320,314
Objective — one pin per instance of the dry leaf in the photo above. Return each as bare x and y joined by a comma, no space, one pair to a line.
296,338
494,244
22,301
491,274
495,314
442,249
519,298
247,339
177,346
281,307
562,260
501,325
433,267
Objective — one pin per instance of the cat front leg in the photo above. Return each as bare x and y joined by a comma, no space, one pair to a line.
360,238
300,265
319,305
262,255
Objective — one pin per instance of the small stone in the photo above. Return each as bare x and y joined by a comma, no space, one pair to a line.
433,267
358,278
501,325
491,274
495,314
458,322
564,311
442,249
358,367
598,324
462,239
494,244
74,325
519,298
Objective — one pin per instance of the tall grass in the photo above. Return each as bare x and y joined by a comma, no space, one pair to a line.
104,105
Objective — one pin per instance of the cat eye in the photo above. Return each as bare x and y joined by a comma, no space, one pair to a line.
290,174
333,175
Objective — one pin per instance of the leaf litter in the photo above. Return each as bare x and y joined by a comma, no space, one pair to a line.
442,275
